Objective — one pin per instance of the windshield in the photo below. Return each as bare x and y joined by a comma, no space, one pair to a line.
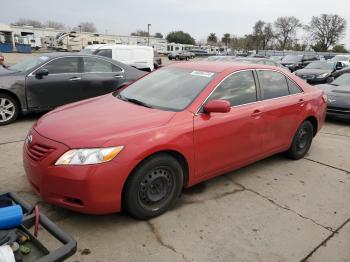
169,88
320,65
343,80
292,58
28,64
339,58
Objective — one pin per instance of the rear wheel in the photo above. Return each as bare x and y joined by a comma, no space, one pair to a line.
302,141
153,187
9,109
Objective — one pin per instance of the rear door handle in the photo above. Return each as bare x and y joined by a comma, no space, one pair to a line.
74,78
256,113
118,76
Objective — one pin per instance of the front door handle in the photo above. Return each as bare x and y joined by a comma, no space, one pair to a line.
74,78
118,76
256,113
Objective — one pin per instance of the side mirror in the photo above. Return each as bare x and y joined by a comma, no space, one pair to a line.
338,67
217,106
42,72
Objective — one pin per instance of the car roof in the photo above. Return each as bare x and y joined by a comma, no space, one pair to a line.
218,66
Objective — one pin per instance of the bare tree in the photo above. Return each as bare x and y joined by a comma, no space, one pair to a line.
326,30
286,29
263,34
55,25
28,22
86,27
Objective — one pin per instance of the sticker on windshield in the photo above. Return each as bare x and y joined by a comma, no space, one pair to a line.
202,73
44,58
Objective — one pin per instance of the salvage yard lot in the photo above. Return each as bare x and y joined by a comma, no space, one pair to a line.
274,210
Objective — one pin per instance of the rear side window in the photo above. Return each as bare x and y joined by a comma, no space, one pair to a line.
238,89
293,87
94,65
63,65
104,52
273,84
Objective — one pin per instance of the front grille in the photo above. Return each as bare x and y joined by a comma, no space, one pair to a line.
38,152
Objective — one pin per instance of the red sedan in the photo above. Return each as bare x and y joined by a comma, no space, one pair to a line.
180,125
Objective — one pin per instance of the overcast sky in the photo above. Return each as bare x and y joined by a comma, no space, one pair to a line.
197,17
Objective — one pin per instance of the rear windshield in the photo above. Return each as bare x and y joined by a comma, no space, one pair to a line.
104,52
292,58
169,88
320,65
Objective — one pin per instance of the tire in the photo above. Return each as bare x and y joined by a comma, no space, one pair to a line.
302,141
177,58
153,187
187,58
9,109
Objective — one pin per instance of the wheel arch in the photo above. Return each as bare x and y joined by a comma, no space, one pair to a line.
314,122
13,95
175,154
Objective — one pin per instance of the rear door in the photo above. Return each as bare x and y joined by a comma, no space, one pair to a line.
100,76
224,141
61,86
283,101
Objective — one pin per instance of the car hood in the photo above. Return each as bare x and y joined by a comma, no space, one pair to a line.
97,121
7,72
338,96
306,71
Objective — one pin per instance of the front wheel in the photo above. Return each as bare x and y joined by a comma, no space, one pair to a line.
153,187
302,141
9,109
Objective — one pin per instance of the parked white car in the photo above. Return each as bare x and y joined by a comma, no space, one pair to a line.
341,58
140,57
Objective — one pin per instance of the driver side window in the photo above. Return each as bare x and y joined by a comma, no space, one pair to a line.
238,89
64,65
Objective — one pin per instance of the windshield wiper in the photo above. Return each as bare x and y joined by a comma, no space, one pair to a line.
133,100
333,84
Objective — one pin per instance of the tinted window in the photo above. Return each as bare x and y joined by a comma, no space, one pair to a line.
63,65
238,89
273,84
168,88
93,65
104,52
293,87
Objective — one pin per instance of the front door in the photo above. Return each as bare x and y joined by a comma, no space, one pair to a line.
224,141
61,86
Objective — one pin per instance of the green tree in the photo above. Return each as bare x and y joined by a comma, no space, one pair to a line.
226,39
158,35
212,38
326,30
180,37
339,49
140,33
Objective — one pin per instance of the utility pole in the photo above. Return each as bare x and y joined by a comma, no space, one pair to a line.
81,37
148,26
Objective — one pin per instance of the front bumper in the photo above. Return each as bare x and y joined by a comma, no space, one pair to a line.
92,189
338,112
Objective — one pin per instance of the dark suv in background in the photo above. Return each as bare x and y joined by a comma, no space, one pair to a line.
296,62
157,60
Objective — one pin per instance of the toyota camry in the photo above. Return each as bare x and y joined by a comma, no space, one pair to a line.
135,149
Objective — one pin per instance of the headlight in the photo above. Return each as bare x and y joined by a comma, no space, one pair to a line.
88,156
322,75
